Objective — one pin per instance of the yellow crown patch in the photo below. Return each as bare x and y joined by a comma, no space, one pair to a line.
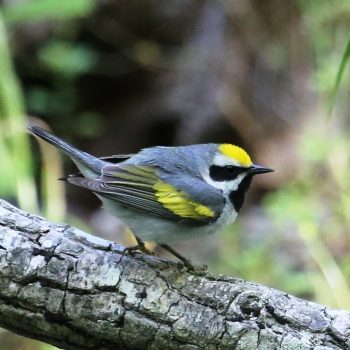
236,153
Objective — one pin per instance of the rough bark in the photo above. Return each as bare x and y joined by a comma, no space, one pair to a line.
76,291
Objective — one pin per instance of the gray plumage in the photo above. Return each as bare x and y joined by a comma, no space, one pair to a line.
132,186
113,178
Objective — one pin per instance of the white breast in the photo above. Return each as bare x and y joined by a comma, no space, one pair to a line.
153,228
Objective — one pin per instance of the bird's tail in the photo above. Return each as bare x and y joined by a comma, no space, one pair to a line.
83,160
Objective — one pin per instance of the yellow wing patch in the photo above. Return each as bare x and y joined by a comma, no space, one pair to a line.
236,153
179,203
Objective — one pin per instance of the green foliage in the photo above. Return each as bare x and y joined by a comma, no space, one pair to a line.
340,74
40,10
16,160
327,25
258,260
316,203
64,58
62,61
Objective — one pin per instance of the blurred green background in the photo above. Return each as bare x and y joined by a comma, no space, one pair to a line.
115,76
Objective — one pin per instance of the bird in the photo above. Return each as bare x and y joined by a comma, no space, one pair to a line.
166,194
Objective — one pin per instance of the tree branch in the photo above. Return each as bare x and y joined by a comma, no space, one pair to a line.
76,291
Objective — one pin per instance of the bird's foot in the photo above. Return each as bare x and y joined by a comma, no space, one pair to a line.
196,269
185,262
137,248
187,265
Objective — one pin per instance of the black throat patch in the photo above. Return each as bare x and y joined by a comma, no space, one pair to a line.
237,197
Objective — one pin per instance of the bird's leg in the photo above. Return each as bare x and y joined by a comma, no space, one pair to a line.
185,261
140,246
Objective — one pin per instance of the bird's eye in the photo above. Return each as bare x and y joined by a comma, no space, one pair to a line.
233,171
224,173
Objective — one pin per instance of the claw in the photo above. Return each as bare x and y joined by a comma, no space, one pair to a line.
139,247
186,263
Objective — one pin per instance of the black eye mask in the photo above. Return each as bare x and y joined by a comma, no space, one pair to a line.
225,173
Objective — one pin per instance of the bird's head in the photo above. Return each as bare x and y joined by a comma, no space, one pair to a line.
231,171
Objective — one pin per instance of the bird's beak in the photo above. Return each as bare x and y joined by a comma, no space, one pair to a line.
258,169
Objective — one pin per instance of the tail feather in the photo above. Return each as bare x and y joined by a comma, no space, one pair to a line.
82,159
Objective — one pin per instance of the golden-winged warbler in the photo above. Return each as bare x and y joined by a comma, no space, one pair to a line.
165,194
